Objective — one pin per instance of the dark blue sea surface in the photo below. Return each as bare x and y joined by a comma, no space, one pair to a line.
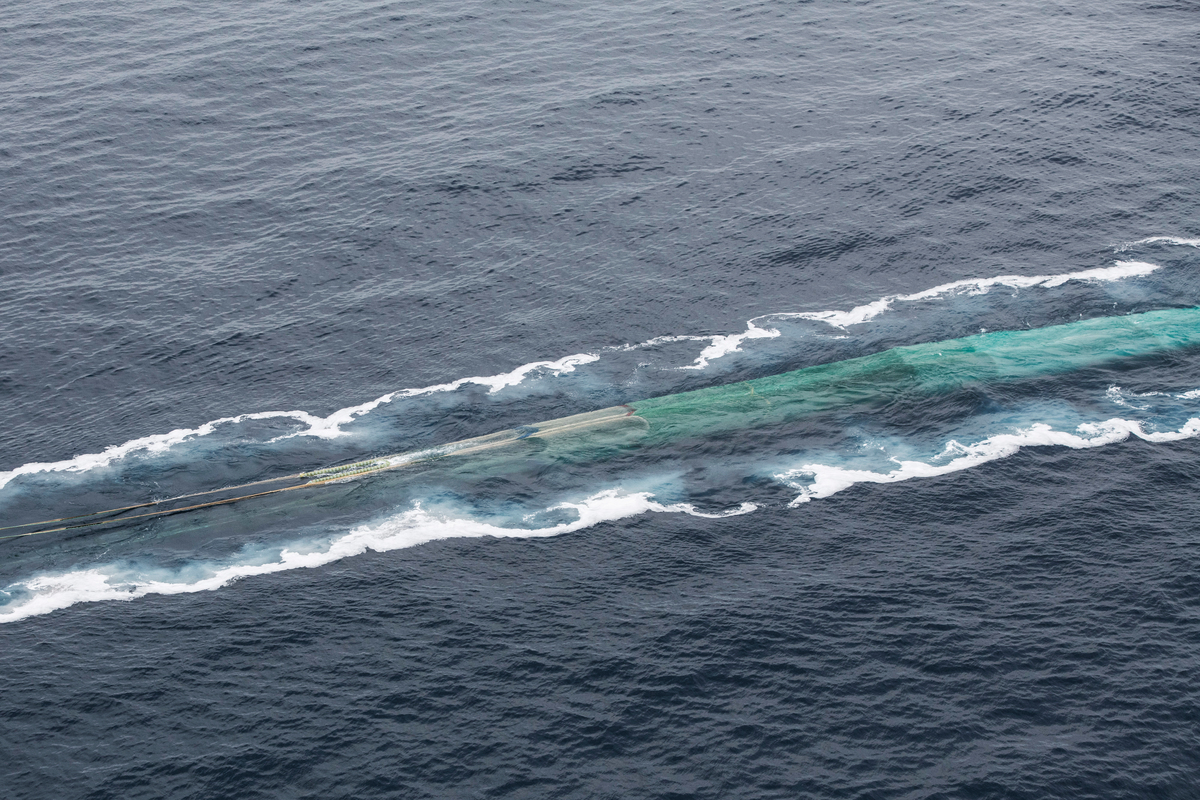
246,240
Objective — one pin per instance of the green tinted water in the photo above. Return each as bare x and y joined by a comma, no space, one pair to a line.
930,369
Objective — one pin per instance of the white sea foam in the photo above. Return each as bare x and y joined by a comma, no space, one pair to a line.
321,427
724,344
732,343
1160,239
1118,271
50,592
718,346
816,481
330,427
1128,399
157,443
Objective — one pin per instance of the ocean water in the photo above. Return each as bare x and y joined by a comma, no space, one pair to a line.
242,241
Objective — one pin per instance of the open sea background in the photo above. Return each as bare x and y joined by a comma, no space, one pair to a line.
245,239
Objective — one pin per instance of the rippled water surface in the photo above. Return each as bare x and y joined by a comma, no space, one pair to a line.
245,241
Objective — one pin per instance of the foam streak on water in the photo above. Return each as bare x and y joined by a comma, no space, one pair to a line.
233,234
821,476
320,427
1162,240
50,592
724,345
332,426
816,481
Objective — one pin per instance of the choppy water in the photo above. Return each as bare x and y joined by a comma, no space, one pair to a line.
249,240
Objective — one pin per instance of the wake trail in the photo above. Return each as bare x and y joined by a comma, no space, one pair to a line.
124,581
817,481
45,593
320,427
724,345
331,426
